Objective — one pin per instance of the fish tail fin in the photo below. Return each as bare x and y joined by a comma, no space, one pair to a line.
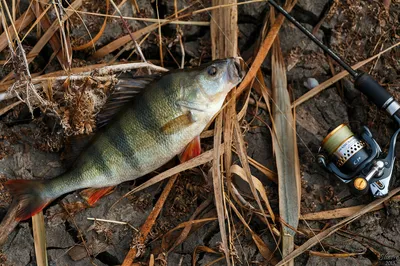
29,196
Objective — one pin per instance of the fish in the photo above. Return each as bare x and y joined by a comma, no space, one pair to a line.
155,125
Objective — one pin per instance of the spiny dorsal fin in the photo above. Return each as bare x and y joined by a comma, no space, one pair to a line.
124,92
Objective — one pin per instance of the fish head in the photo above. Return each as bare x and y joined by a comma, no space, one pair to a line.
210,83
220,76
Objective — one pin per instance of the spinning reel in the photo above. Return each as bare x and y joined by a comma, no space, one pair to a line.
356,160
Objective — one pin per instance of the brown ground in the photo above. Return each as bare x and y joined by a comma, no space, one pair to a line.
34,148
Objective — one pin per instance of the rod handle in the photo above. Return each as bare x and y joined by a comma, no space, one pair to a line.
373,90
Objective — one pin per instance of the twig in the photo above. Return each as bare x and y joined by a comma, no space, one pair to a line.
21,23
65,43
160,36
341,212
197,23
186,230
138,50
93,40
179,35
262,53
322,235
107,70
9,107
112,221
154,20
9,222
148,225
199,160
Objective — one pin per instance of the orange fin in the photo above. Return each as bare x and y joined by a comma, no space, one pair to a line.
29,196
192,150
178,123
93,195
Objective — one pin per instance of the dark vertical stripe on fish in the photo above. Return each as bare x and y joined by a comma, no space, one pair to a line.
99,161
149,121
119,140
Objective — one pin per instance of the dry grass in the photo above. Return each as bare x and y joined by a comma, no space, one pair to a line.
76,93
39,236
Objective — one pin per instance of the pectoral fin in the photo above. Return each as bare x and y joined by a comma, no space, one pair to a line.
192,150
178,123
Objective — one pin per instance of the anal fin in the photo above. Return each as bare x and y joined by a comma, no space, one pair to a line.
192,150
93,195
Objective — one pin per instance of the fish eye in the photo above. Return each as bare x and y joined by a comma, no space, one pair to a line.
212,70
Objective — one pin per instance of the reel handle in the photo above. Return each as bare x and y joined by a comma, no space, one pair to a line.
359,186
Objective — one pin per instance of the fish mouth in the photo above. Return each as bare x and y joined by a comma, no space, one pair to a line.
236,73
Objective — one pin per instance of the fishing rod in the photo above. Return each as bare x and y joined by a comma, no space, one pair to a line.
356,160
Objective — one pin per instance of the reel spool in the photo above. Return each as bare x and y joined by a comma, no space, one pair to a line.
356,160
346,150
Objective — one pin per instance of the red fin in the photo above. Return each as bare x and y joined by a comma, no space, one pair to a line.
192,150
29,196
92,195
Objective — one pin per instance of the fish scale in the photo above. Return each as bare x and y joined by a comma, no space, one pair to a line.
150,131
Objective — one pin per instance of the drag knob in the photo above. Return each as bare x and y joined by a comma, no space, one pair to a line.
359,186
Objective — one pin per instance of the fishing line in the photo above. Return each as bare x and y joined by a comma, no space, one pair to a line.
272,100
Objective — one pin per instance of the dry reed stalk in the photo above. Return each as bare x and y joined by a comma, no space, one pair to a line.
54,41
9,107
267,254
114,45
47,36
324,234
224,44
341,212
196,161
285,148
39,237
97,36
239,171
134,252
187,227
21,23
264,49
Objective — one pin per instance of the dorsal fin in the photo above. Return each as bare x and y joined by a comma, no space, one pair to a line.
125,90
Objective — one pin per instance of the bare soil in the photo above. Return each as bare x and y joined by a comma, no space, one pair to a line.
36,146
